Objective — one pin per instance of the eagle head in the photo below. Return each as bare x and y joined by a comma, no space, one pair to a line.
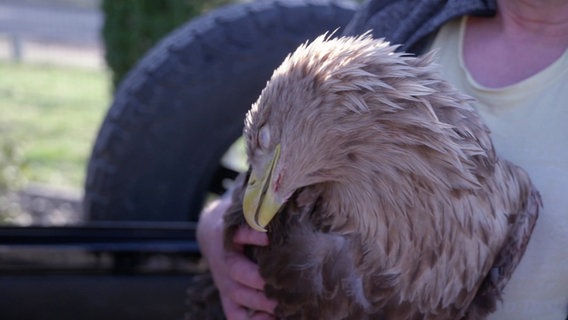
322,118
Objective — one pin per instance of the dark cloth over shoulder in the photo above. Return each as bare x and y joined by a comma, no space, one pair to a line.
413,23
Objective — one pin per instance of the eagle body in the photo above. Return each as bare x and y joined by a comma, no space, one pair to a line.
379,188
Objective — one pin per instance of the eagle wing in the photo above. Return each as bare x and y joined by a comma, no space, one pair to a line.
521,224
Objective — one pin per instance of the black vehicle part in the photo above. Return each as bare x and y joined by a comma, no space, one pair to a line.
93,297
113,270
183,105
110,237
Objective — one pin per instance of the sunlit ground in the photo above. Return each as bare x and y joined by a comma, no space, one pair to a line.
51,115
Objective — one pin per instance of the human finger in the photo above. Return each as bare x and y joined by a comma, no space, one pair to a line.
244,271
246,235
241,313
252,299
233,311
259,315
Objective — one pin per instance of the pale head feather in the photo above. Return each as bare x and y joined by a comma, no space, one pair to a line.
358,97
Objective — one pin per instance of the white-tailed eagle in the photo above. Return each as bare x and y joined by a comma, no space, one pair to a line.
380,190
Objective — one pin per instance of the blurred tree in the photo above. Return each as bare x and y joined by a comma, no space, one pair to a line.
132,27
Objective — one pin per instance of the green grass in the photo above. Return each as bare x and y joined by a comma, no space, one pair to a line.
53,114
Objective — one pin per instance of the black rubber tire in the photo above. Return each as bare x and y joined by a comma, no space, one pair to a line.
183,105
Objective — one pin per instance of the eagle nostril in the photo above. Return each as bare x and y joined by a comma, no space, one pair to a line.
277,182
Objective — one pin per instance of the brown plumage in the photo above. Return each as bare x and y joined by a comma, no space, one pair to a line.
379,188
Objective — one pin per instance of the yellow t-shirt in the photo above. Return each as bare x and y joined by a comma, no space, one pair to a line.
529,125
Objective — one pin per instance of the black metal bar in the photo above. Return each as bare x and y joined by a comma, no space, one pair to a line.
106,236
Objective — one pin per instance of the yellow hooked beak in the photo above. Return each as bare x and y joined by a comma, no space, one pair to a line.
260,204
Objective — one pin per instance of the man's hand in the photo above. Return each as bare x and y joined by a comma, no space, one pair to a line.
236,277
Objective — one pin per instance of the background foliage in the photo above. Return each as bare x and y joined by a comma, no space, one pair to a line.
133,27
50,113
49,116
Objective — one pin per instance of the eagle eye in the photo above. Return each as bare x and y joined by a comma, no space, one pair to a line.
264,137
